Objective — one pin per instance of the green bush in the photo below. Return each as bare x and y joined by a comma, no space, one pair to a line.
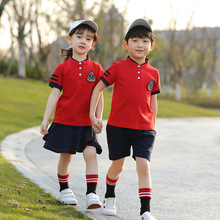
31,71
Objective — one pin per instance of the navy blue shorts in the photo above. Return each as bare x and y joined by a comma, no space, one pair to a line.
70,139
120,141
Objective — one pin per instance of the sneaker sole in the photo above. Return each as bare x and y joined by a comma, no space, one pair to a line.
105,212
94,206
66,203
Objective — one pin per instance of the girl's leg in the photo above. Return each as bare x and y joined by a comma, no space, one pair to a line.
144,179
63,170
91,168
66,195
92,200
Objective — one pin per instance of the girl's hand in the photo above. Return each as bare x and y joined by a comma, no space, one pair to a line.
43,127
97,125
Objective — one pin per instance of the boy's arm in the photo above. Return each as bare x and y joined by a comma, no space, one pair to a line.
51,104
153,106
96,106
99,111
99,108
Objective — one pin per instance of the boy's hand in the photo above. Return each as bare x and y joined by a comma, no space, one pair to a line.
43,127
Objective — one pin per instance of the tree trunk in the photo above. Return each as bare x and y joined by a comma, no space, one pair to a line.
21,61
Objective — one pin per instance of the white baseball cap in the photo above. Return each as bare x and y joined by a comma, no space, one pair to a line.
137,22
91,23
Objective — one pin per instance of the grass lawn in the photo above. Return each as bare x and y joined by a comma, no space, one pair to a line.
22,105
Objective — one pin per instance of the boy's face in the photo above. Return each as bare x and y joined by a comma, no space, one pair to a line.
138,48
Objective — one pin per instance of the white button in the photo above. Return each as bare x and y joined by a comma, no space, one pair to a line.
139,72
138,65
80,63
80,74
80,67
139,77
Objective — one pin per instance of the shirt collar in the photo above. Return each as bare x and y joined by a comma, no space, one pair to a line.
77,62
134,62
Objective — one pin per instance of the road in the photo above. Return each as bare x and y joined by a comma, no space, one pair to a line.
185,169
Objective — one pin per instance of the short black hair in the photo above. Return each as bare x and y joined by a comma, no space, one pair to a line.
140,32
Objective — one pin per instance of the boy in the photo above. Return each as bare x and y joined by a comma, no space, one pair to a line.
133,113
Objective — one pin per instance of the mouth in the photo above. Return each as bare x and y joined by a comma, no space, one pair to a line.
139,51
81,47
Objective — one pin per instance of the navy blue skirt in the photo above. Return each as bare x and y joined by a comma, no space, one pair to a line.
70,139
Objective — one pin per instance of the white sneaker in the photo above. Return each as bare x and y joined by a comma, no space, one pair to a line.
92,201
67,197
109,206
147,216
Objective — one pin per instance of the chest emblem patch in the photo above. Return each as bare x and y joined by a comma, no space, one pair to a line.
150,85
91,77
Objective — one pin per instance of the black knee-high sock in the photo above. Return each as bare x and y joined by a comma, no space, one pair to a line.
110,187
145,198
91,181
145,205
63,181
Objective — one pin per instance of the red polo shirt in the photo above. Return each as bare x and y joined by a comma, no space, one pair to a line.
133,86
76,80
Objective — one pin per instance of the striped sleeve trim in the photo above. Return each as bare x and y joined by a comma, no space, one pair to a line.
54,75
156,92
105,81
53,84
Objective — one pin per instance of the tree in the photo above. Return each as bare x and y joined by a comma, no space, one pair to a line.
177,50
20,14
2,6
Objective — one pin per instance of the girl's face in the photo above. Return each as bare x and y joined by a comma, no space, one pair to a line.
81,43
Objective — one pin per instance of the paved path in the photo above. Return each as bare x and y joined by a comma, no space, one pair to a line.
185,171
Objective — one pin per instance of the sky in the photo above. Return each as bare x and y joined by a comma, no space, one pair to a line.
206,13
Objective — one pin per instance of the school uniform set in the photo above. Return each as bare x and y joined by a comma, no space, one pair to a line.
71,129
131,121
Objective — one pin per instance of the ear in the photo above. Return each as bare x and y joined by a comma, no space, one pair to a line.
152,46
93,44
68,40
125,44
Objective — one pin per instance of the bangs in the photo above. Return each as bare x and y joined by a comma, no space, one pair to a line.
81,28
139,32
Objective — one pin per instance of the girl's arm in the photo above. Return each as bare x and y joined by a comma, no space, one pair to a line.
153,106
96,107
51,104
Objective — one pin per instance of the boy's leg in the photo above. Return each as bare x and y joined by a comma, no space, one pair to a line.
109,206
144,182
112,176
91,177
66,195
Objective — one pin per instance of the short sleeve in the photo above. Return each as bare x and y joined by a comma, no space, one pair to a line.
100,73
110,75
156,87
56,78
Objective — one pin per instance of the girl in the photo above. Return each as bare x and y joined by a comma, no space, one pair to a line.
71,129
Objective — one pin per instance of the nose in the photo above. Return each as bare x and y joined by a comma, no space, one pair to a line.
140,44
83,40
